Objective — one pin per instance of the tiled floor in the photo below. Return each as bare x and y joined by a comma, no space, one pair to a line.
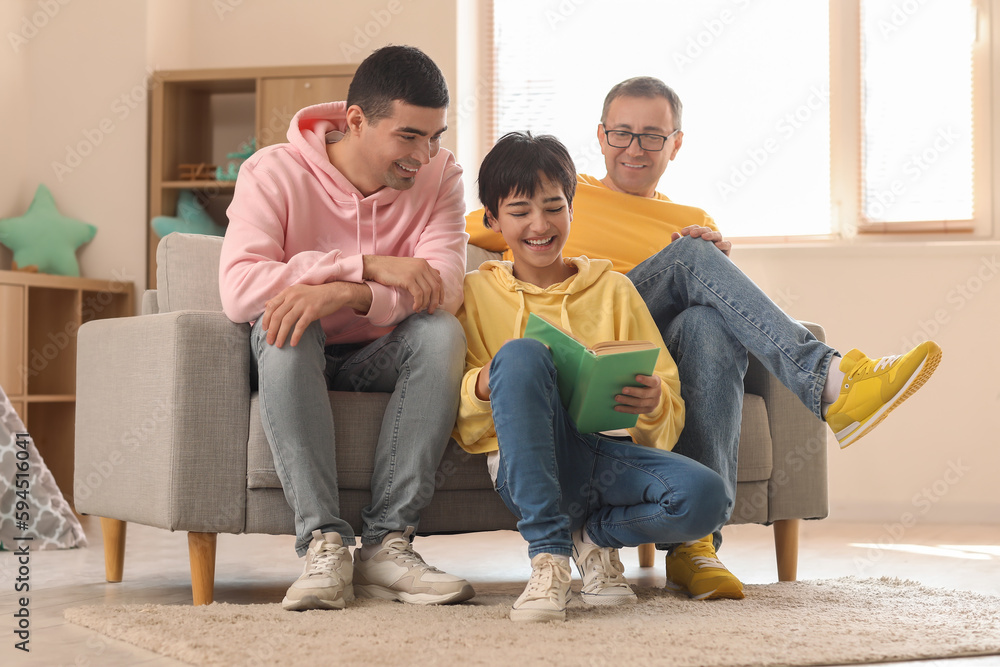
258,568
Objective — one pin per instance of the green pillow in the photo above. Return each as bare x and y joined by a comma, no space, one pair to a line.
46,238
191,218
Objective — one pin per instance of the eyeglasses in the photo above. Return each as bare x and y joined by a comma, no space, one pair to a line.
647,142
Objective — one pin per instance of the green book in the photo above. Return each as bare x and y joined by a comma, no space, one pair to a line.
590,378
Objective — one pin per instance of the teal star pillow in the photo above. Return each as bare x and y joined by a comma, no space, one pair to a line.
46,238
191,218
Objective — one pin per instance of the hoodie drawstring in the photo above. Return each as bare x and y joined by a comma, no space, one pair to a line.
357,209
523,306
520,313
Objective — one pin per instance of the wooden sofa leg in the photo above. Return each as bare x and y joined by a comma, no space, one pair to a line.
647,555
786,548
201,547
113,531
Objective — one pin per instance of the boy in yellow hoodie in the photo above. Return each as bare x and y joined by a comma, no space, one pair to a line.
575,494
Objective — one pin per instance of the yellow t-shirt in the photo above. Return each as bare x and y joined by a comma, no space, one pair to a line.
612,225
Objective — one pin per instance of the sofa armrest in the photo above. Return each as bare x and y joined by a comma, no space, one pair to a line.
797,488
476,256
163,405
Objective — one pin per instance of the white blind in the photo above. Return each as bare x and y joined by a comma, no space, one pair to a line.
753,78
917,116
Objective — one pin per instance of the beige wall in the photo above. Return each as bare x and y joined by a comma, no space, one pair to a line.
264,33
935,460
81,122
84,69
14,104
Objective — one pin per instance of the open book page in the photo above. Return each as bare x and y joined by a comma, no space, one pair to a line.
613,346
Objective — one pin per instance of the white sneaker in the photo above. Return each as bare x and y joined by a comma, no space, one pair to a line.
602,573
547,593
397,572
326,579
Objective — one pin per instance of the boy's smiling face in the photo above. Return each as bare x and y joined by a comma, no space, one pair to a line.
535,229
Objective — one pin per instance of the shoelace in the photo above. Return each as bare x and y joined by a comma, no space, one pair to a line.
326,558
612,571
873,366
540,583
703,561
885,362
402,551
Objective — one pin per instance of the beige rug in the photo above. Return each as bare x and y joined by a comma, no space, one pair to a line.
837,621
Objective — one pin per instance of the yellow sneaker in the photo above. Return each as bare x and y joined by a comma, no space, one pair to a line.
695,568
873,387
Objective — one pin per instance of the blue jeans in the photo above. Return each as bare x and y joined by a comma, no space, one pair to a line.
420,363
555,479
711,315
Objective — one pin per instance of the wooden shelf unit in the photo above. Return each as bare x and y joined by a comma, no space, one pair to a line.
39,317
197,116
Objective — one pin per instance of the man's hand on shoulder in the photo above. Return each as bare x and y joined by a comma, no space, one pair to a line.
707,233
294,308
414,274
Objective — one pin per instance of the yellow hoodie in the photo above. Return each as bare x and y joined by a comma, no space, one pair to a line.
595,304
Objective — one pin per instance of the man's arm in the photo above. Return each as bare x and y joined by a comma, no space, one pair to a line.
441,243
253,267
413,274
293,309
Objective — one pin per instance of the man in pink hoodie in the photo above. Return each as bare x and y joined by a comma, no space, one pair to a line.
346,251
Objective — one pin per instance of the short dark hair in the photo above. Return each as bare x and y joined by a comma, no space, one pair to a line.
392,73
516,165
644,86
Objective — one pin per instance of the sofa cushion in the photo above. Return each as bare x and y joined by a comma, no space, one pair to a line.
187,272
357,417
475,256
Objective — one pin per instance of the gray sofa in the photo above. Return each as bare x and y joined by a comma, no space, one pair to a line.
166,415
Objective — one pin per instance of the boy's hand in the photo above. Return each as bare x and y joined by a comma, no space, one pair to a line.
483,378
640,400
707,233
483,383
414,274
294,308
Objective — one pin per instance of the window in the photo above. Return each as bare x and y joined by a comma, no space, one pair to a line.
781,138
917,110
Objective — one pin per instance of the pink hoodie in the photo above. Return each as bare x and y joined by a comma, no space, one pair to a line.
296,219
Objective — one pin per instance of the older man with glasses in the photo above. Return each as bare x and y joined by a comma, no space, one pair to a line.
709,313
